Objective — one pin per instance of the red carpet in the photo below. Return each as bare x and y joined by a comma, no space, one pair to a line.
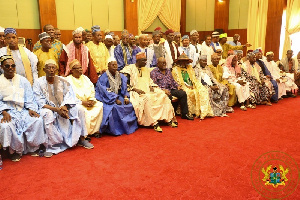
211,159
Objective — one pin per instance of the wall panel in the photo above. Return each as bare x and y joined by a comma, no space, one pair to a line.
22,14
200,15
116,15
83,13
100,13
65,14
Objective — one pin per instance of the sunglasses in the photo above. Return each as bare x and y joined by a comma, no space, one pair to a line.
8,66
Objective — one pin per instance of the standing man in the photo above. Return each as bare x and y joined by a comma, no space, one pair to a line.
2,37
289,63
151,57
77,50
158,48
57,34
26,61
45,53
235,41
207,49
171,48
226,47
177,39
98,50
188,49
215,40
109,43
194,36
56,45
124,54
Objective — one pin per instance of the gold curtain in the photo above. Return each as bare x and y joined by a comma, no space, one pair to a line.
170,14
147,12
257,23
292,23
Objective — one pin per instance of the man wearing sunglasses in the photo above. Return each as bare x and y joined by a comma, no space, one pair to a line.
21,127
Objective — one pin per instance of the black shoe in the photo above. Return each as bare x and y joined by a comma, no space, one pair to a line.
187,117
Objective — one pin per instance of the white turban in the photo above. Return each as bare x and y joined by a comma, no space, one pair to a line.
1,29
110,59
78,30
108,36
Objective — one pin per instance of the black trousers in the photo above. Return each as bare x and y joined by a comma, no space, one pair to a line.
182,100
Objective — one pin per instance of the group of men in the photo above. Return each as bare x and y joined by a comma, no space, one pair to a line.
59,95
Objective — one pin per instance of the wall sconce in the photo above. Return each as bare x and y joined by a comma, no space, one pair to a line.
220,0
132,1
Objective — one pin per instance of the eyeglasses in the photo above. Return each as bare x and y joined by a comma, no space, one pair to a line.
7,66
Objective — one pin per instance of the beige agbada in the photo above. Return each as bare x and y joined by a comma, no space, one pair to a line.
84,90
151,106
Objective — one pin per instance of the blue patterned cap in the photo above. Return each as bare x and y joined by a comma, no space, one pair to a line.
185,37
95,28
10,30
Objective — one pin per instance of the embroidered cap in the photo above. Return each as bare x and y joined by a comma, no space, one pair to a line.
10,30
5,57
43,35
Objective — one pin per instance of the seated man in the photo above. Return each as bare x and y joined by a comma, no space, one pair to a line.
197,95
252,73
164,79
118,112
284,85
150,103
85,92
21,127
218,93
63,118
217,71
270,82
232,73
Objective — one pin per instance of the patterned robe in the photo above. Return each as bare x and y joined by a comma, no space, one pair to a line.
197,97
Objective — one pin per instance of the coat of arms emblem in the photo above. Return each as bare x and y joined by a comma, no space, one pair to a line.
276,177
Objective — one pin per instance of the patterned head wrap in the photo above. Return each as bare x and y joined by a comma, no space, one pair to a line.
185,37
193,31
44,35
10,30
269,53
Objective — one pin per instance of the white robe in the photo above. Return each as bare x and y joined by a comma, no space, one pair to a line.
62,133
208,51
242,92
23,133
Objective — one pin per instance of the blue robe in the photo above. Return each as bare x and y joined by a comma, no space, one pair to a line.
120,57
61,133
117,119
267,72
23,133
